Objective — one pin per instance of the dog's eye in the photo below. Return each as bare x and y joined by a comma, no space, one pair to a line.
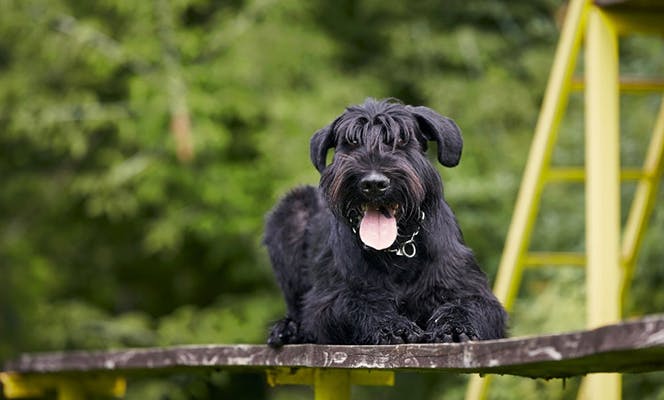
402,139
351,141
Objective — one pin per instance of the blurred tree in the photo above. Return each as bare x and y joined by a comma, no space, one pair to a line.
141,144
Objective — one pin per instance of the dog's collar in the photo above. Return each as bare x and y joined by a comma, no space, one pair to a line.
407,248
404,248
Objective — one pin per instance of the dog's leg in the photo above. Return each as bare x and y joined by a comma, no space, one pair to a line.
454,298
464,319
462,307
287,244
343,316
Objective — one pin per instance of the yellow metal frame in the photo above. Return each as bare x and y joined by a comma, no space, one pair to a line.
330,383
67,387
538,164
602,188
643,202
609,258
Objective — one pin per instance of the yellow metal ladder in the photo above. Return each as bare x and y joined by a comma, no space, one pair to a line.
610,254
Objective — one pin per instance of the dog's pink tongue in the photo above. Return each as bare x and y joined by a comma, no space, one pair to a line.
378,231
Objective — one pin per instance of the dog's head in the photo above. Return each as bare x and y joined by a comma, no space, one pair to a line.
380,176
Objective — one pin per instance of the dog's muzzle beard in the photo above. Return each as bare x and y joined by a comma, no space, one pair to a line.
386,220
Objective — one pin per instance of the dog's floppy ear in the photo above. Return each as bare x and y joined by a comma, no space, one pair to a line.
441,129
321,142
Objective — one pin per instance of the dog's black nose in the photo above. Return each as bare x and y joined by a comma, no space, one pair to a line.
374,183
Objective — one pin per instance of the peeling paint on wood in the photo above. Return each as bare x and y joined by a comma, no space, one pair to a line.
632,346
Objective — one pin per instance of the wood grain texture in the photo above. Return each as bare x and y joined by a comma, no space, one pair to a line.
632,346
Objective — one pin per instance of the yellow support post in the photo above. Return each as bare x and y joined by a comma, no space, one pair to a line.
70,391
331,384
603,271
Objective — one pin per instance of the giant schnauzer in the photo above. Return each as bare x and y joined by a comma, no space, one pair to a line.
374,255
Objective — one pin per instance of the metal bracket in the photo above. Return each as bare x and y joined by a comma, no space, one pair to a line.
329,383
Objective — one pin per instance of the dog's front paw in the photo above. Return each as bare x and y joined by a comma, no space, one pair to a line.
284,331
450,324
397,332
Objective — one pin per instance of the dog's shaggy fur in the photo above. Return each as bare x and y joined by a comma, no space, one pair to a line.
341,286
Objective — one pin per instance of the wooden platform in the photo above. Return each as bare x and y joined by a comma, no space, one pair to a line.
632,4
632,346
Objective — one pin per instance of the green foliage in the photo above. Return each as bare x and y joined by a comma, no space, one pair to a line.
232,321
110,239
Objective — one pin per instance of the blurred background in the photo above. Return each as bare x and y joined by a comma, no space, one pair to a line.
142,142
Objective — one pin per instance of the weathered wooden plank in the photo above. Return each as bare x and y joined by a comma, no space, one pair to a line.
632,346
638,4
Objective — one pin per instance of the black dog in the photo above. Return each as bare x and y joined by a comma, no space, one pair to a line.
375,255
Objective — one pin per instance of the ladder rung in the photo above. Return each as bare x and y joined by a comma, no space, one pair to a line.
573,174
566,174
554,258
627,84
